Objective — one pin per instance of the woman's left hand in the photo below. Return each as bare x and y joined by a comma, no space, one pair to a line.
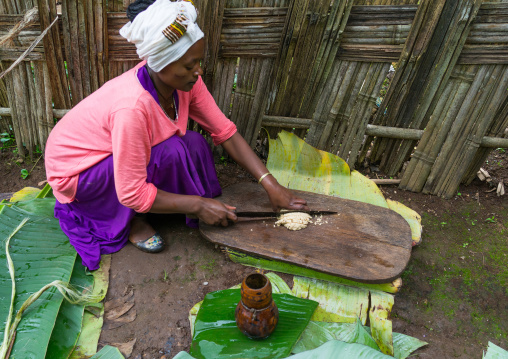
283,198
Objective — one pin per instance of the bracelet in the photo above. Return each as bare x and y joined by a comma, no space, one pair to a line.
263,177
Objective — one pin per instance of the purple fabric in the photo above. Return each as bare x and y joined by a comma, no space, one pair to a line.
96,223
146,82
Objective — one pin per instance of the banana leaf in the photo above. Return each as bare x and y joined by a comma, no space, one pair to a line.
108,352
495,352
318,333
183,355
337,303
300,166
269,264
92,324
217,336
380,307
41,253
337,349
70,317
278,286
411,217
76,332
25,194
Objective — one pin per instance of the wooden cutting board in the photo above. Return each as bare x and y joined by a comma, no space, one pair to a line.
363,242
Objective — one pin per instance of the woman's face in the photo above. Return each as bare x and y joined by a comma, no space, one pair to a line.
183,73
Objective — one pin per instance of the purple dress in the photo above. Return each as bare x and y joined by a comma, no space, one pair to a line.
96,223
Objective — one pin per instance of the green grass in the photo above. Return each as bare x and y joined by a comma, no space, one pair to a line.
464,261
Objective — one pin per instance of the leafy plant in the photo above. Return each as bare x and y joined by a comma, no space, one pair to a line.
7,140
491,219
24,173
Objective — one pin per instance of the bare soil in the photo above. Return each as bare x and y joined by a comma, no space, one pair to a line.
454,294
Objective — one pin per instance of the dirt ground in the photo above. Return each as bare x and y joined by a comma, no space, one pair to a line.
454,294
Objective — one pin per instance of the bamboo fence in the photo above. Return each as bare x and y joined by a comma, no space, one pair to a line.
313,67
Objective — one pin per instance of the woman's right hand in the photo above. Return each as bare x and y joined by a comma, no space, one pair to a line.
215,213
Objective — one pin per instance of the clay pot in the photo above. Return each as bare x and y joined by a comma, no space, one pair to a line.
256,314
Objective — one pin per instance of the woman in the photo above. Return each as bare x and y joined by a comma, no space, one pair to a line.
124,150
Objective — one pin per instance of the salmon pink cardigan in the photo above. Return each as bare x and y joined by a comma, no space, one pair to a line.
122,119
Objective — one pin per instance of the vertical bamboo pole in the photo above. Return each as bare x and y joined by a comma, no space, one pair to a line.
364,106
339,14
48,106
260,101
32,108
493,100
84,59
216,12
54,55
443,65
91,33
438,128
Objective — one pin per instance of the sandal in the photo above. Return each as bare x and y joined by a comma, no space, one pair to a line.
154,244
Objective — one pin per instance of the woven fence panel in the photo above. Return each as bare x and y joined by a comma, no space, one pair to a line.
25,87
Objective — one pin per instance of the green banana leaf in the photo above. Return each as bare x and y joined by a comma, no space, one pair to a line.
70,317
217,336
495,352
41,253
108,352
330,303
72,320
338,303
337,349
318,333
269,264
183,355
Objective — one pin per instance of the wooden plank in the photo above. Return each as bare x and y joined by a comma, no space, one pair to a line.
363,242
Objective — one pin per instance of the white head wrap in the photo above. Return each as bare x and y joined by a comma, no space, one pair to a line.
146,32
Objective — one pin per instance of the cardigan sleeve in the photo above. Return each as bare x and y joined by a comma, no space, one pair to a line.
131,145
205,111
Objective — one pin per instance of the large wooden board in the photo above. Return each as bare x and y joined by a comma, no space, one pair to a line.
363,242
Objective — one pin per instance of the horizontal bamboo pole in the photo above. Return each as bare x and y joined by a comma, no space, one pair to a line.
287,122
382,181
255,11
394,132
374,130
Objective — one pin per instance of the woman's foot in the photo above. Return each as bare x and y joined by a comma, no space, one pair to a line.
144,237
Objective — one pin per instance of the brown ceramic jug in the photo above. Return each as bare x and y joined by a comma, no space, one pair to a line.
256,314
